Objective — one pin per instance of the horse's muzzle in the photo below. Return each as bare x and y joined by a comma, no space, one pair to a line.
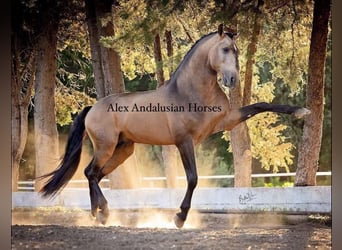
229,80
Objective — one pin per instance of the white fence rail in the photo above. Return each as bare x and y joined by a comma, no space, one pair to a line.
29,185
232,176
312,199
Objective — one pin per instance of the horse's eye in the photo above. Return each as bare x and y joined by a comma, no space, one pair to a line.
225,49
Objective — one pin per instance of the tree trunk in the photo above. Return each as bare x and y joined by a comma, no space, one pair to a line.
309,148
19,117
16,132
240,139
46,135
251,50
169,152
169,49
94,38
15,115
110,59
106,61
241,145
108,77
158,60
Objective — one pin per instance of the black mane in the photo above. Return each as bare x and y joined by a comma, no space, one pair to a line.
189,54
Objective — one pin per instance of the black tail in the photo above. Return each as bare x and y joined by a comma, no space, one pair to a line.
67,168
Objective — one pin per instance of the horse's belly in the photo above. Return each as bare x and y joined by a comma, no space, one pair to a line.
148,128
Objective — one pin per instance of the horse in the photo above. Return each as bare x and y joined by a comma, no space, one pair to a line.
185,111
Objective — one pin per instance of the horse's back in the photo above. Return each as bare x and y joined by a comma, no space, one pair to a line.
136,115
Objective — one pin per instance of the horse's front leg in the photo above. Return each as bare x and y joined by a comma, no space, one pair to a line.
236,116
186,149
253,109
298,112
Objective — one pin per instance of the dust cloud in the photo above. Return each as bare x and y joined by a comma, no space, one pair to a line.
147,161
134,218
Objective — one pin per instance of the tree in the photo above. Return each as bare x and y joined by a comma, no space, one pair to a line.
46,135
34,63
106,61
23,69
241,146
159,60
240,139
107,71
312,135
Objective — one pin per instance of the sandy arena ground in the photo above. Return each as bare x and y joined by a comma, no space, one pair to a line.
60,228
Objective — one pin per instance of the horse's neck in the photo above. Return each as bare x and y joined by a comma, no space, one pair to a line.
195,81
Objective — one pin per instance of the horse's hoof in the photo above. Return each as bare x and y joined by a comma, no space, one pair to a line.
102,216
178,221
300,113
93,213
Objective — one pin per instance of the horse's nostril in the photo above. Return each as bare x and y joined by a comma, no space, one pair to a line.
229,80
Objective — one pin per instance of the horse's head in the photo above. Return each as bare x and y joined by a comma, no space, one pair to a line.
223,58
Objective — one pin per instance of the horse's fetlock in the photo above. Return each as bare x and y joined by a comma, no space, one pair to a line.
193,181
92,173
182,215
88,173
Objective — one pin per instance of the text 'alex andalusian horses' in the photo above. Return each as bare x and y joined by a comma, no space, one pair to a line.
189,108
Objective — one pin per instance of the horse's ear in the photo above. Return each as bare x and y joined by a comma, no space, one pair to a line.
233,35
220,29
236,36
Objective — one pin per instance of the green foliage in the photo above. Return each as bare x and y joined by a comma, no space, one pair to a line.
269,145
278,183
285,44
68,102
146,82
137,22
75,83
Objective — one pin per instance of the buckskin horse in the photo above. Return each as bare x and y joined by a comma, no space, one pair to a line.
189,108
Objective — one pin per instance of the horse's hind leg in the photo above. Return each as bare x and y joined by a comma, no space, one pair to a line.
99,207
186,150
122,151
104,143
